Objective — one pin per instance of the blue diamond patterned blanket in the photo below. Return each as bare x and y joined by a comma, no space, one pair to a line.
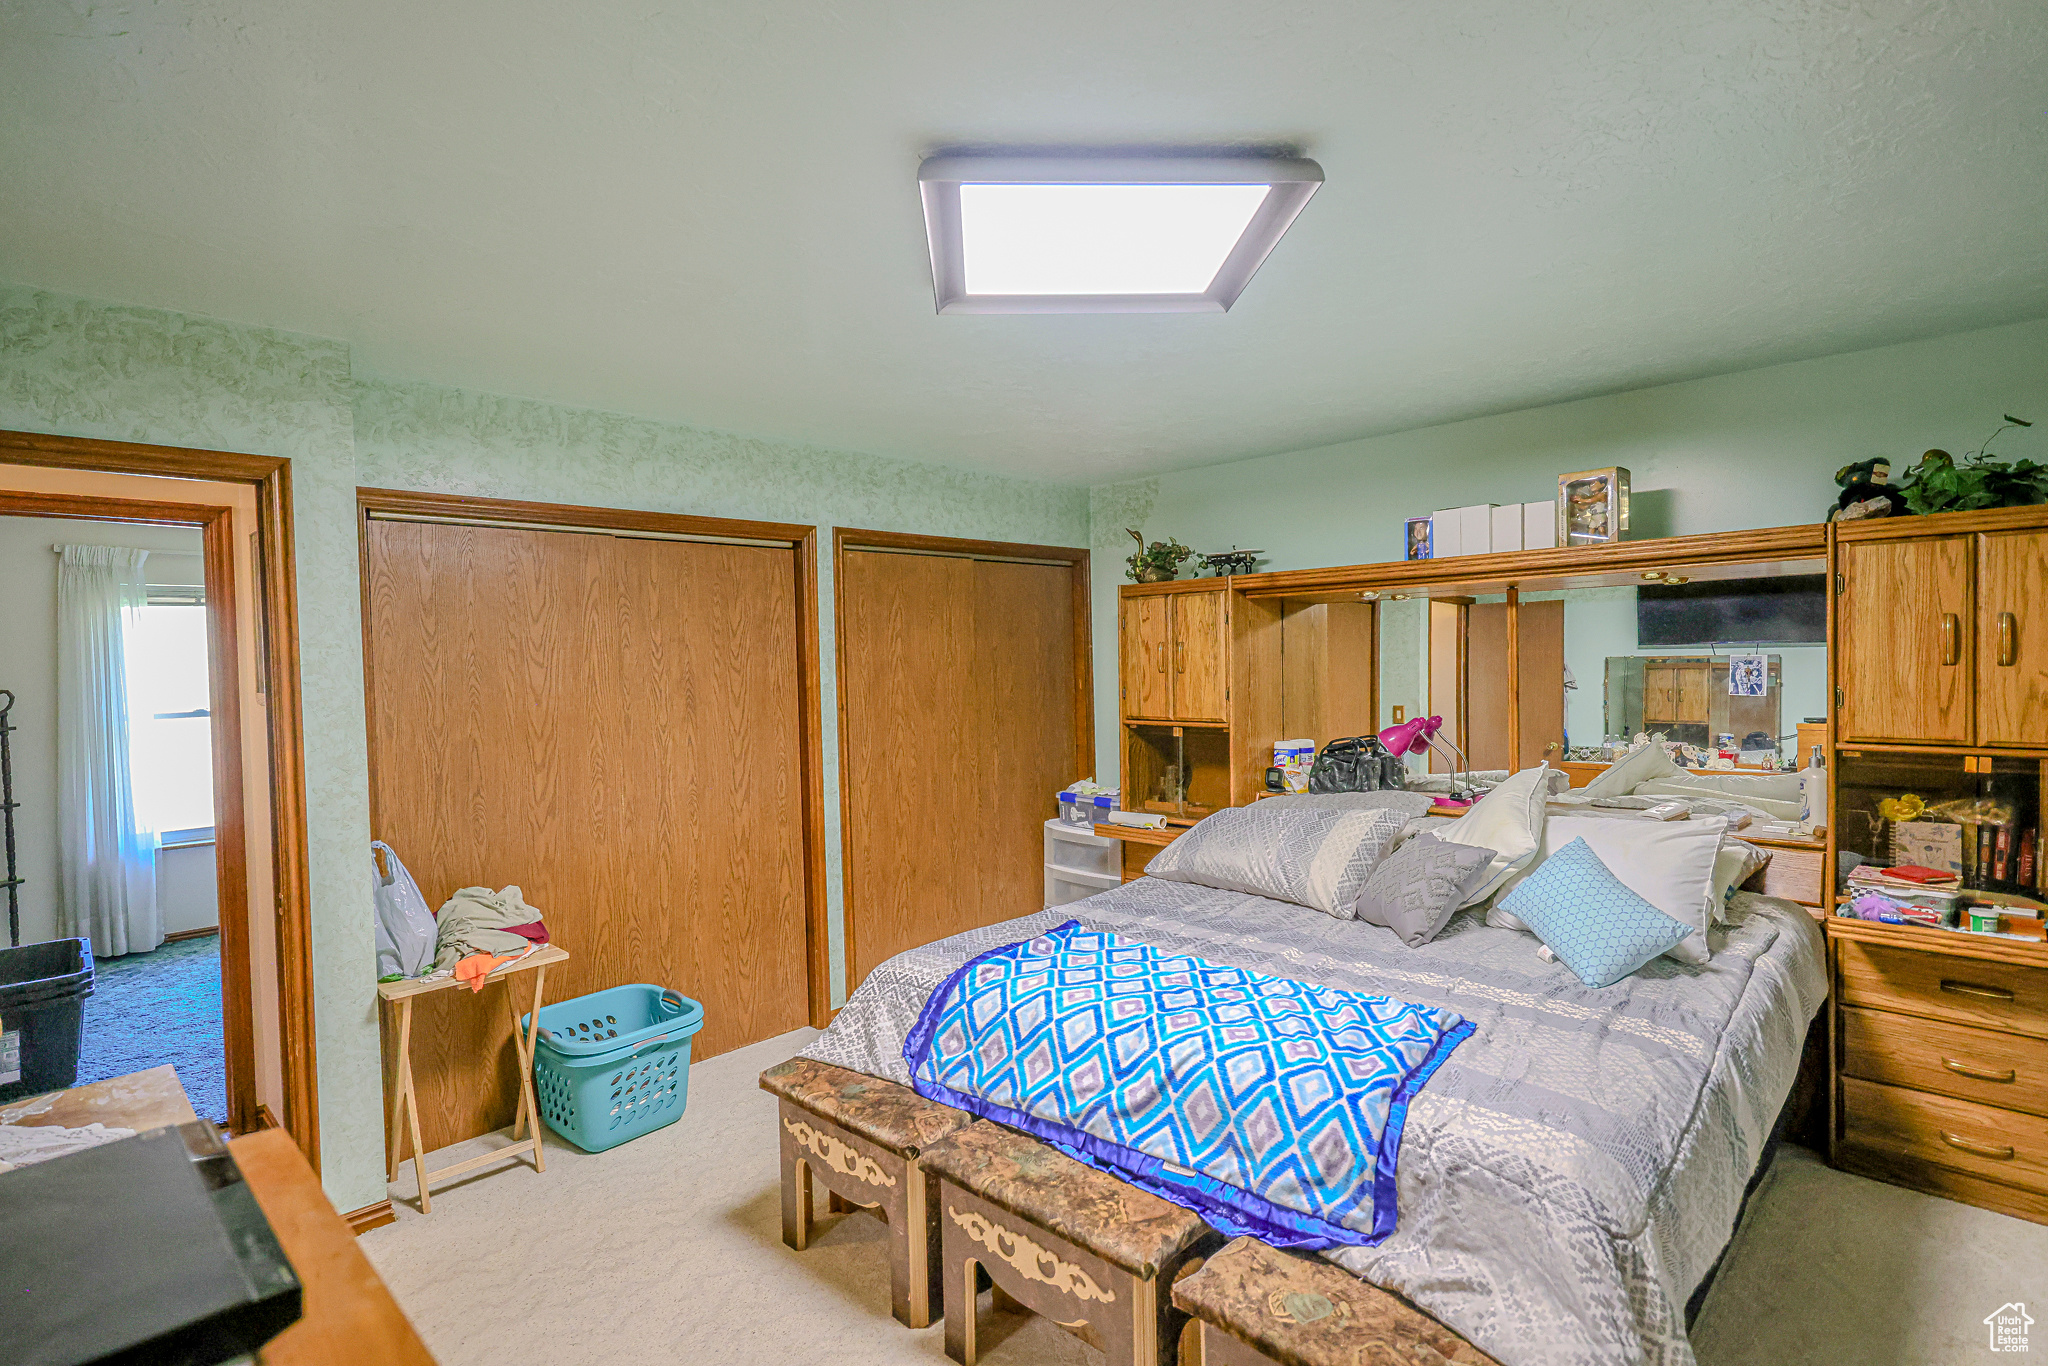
1268,1106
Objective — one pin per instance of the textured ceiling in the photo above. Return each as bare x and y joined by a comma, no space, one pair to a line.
707,212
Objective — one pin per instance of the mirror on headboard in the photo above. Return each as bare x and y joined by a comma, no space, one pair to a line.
1692,652
1719,662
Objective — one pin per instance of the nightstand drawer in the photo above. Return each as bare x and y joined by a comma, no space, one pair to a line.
2009,1070
1970,991
1893,1123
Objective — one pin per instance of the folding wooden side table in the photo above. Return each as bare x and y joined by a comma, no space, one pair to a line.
405,1106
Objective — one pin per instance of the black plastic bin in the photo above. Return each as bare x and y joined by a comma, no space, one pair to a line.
42,1008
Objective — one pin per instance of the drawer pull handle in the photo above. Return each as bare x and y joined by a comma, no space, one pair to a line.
1162,656
1972,989
1980,1149
1951,638
1963,1069
2008,640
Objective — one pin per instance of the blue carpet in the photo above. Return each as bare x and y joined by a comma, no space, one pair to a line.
148,1009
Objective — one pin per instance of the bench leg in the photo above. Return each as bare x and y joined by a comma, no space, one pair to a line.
959,1277
796,1201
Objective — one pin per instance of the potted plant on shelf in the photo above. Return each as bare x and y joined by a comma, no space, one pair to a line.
1158,562
1942,483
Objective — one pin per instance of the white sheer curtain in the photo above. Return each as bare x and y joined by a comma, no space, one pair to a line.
106,871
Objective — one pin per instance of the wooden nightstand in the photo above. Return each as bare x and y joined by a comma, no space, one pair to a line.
1941,1055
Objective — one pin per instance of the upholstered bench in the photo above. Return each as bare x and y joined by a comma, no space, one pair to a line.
1254,1305
1086,1250
860,1138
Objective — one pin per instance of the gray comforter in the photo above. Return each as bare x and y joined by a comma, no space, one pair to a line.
1569,1175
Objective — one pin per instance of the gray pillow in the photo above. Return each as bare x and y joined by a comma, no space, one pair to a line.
1389,798
1415,889
1312,858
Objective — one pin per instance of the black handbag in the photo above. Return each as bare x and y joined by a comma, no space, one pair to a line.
1358,764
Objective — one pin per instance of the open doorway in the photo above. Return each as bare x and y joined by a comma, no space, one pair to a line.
242,505
126,666
110,686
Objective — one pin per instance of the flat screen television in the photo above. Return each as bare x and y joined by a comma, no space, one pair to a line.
1792,610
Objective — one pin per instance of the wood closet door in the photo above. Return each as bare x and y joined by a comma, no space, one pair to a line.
958,727
614,726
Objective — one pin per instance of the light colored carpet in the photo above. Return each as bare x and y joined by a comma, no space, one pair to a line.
669,1249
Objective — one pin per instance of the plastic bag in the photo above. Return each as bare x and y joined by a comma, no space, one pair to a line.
405,927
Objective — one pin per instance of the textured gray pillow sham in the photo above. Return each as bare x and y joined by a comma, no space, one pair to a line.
1415,889
1314,858
1391,798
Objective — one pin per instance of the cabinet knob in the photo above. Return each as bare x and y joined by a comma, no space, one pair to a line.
2008,640
1951,638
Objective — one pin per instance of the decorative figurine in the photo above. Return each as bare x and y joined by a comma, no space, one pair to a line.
1231,561
1158,562
1867,491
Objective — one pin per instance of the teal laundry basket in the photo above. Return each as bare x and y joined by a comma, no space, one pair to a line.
615,1064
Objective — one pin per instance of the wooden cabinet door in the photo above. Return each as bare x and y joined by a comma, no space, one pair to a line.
2012,638
1198,657
1660,696
1144,657
1692,694
1903,633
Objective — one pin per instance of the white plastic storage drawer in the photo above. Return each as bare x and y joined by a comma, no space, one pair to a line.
1079,863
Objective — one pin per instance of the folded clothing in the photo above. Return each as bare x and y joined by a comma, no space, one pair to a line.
479,920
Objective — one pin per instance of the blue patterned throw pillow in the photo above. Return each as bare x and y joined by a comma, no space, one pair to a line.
1601,929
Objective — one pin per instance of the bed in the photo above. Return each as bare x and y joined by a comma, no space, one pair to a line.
1570,1175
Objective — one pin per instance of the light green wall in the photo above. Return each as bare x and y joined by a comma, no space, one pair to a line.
1733,452
84,368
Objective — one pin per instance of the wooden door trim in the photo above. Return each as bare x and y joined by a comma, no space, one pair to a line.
462,507
277,616
845,539
802,542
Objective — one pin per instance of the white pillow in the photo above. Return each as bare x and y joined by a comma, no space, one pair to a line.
1670,864
1733,866
1507,820
1621,777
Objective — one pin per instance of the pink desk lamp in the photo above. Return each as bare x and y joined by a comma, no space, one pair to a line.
1419,736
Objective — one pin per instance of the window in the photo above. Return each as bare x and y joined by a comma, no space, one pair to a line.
171,749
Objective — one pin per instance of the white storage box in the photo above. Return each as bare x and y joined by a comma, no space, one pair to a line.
1079,864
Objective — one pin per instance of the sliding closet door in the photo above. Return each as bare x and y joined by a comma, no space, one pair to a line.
615,726
963,711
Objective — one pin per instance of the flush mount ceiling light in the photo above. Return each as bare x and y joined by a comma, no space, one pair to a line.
1033,234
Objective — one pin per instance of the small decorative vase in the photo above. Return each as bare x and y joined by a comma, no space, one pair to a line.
1153,574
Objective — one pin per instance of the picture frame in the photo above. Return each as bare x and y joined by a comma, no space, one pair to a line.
1749,675
1592,506
1417,539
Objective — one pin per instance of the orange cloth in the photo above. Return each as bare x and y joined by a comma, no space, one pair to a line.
478,966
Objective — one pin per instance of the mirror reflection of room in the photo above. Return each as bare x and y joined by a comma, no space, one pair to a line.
1731,667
